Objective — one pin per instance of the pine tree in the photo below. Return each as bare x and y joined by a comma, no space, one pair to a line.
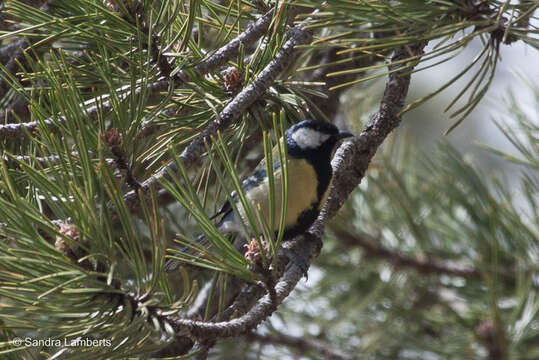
126,123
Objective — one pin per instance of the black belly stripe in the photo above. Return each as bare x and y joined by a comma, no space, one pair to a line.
305,220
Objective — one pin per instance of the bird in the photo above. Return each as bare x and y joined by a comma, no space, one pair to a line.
309,145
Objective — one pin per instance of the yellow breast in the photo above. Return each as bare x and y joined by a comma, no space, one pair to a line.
302,193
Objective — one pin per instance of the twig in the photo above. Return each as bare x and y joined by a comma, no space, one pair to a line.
426,266
253,32
92,108
47,160
301,344
10,54
231,112
152,42
114,140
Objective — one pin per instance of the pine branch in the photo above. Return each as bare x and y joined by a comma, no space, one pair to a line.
230,113
92,107
350,164
256,303
96,105
308,247
220,57
301,344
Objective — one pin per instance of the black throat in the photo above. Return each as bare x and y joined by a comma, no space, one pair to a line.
320,159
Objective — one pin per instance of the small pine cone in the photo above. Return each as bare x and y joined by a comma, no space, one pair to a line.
70,231
112,138
233,80
253,253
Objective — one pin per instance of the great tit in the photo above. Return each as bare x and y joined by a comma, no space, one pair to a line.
310,145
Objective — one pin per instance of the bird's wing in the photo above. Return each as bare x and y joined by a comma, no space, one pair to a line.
225,209
254,180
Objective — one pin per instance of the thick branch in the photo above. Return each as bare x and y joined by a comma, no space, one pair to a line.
353,157
263,308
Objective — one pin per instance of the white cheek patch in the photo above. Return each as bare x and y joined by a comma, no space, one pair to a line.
307,138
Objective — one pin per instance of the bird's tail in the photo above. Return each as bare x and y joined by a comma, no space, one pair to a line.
201,243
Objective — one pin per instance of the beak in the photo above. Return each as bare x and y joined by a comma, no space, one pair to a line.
343,134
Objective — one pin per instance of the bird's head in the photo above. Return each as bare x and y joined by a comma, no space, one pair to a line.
313,139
